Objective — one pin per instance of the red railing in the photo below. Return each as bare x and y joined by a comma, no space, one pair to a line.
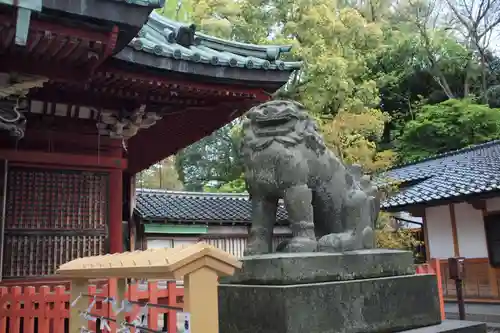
44,309
433,267
24,309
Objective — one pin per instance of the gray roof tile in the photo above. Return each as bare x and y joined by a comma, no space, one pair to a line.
167,38
145,3
466,171
196,207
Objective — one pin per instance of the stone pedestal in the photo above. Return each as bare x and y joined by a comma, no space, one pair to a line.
362,291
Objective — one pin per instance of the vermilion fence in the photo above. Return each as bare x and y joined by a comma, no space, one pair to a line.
433,267
43,310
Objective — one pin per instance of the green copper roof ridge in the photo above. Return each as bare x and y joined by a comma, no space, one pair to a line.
162,20
283,48
267,52
270,52
293,65
228,59
159,36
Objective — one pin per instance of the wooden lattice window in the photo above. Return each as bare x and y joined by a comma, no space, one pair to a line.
51,217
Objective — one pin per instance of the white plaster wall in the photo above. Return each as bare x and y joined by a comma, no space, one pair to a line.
439,232
470,231
226,230
228,238
161,243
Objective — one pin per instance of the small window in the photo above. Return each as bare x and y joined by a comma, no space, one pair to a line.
492,229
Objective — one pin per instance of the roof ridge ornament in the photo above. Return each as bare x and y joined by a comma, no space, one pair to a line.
184,35
164,37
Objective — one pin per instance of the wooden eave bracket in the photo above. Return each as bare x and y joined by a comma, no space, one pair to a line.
108,51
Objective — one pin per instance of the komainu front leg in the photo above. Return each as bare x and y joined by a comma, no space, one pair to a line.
298,203
260,239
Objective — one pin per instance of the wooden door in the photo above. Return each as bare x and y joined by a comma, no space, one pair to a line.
51,217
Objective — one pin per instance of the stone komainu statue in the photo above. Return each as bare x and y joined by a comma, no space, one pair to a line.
330,206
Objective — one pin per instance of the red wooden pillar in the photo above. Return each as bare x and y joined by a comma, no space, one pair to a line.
115,211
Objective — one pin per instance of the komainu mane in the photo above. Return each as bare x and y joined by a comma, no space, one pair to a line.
330,206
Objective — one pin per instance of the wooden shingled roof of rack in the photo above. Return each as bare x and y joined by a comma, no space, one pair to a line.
162,263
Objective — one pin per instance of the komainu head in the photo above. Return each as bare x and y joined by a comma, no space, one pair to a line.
283,121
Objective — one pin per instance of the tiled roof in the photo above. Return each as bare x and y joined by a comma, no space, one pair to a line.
466,171
163,37
145,3
196,207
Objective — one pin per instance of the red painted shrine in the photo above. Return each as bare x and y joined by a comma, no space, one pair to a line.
89,96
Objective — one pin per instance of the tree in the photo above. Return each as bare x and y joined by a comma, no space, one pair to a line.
215,17
337,44
444,54
476,22
212,161
468,23
411,72
353,138
449,125
237,185
160,176
389,237
177,10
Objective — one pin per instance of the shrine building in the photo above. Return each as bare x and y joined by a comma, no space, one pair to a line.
91,93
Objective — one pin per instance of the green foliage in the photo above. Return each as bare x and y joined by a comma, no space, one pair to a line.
376,74
389,236
449,125
234,186
414,69
494,96
214,160
369,71
162,175
174,10
337,44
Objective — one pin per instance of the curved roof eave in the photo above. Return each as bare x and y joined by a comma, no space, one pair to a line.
162,38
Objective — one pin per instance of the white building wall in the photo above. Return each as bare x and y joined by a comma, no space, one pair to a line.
156,243
439,232
470,231
230,239
225,230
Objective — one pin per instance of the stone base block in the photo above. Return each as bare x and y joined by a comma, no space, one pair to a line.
453,326
296,268
388,304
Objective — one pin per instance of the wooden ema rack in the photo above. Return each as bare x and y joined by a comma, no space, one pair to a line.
199,265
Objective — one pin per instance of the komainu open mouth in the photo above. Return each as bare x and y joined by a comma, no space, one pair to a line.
272,122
